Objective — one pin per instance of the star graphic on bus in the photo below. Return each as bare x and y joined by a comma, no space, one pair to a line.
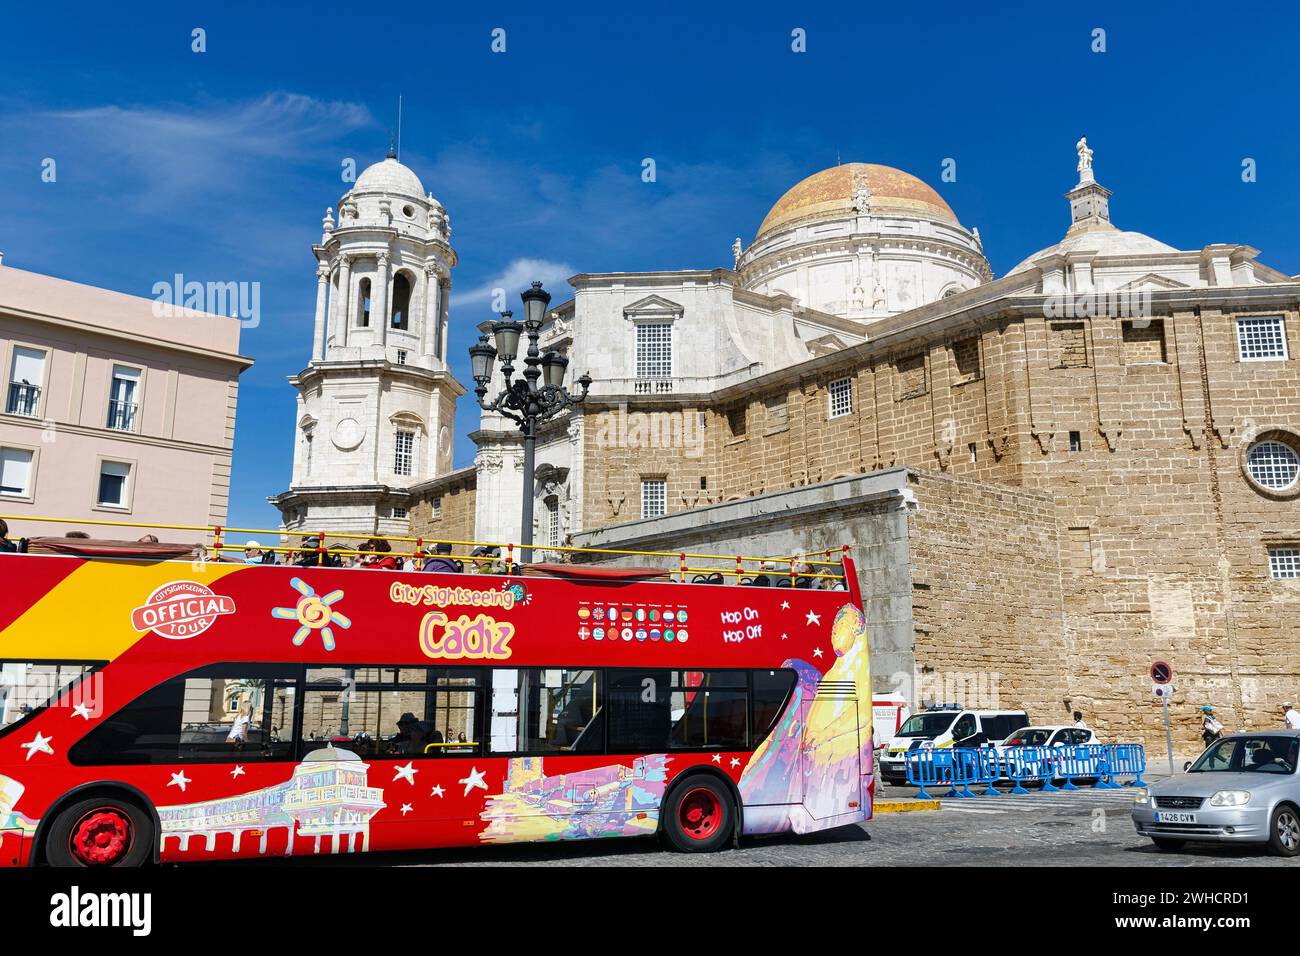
313,612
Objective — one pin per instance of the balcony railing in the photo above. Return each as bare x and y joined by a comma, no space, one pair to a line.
23,399
121,416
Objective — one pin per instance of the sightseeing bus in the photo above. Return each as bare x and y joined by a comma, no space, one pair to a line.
158,704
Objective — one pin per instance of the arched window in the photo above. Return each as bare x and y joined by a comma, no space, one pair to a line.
401,300
364,311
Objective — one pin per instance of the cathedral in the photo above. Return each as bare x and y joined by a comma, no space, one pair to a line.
1049,479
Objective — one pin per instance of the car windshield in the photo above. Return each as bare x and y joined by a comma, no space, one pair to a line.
1029,737
928,725
1250,755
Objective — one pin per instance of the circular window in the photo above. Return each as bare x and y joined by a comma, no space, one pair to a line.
408,212
1273,465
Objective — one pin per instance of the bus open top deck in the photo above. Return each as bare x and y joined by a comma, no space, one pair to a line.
157,703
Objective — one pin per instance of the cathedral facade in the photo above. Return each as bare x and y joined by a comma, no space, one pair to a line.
1094,459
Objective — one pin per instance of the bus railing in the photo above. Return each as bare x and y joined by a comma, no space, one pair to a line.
488,556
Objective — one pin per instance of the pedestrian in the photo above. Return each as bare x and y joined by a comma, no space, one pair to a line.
1291,716
1211,729
1078,720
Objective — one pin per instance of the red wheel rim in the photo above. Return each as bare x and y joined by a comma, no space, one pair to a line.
700,813
102,837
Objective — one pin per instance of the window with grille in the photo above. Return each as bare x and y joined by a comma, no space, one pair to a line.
654,350
552,522
1284,562
1273,464
399,512
404,453
654,497
841,397
1261,339
966,356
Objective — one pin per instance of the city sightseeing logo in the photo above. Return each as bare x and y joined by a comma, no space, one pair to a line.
181,610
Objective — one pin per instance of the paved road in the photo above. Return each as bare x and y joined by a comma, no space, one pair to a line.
1085,828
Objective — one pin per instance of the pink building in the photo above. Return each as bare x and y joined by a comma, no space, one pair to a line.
112,410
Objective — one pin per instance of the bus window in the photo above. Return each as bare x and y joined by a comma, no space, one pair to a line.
640,715
539,710
221,713
390,711
771,692
29,686
710,710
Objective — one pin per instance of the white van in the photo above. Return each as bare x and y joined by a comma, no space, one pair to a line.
947,726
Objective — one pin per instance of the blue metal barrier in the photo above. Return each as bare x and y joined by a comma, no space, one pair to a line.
990,770
1128,760
927,767
1030,765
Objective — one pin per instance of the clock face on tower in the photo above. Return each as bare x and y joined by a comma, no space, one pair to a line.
348,434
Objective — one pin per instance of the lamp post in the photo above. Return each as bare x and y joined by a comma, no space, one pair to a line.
524,400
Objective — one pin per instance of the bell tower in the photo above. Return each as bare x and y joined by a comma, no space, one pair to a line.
376,403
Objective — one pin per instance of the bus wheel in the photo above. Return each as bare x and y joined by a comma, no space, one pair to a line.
699,816
101,831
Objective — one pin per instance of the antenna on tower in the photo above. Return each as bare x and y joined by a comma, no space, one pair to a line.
399,127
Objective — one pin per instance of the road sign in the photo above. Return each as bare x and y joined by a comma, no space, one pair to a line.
1161,673
1162,691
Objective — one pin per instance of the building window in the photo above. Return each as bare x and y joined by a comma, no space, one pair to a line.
1144,342
654,497
736,421
1261,339
403,453
973,455
436,506
401,356
552,522
113,487
1076,441
401,300
841,397
654,350
15,473
26,376
365,303
1284,562
399,512
122,398
966,356
911,376
1273,465
1069,345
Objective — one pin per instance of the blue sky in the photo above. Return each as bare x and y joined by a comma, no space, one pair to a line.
220,165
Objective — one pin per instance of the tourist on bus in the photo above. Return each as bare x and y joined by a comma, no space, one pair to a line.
5,544
412,735
442,560
379,555
252,552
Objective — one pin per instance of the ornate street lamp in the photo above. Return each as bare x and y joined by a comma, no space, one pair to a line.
523,400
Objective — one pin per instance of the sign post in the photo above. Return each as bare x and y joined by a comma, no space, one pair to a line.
1161,675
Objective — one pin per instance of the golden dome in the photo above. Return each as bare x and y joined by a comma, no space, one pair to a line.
830,195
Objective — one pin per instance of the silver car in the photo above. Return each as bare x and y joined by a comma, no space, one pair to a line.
1243,789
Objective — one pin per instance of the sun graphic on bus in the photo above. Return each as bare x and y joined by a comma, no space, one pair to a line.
313,613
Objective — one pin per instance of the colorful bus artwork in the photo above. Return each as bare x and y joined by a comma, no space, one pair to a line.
166,709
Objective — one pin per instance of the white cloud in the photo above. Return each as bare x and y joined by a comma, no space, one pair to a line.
517,276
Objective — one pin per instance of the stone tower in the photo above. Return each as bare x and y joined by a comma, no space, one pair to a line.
376,403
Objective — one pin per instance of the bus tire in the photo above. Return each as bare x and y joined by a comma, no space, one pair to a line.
699,815
100,831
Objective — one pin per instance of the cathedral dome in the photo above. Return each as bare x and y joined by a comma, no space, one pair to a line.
832,194
1102,242
390,176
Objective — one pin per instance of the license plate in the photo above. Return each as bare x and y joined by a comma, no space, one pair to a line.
1165,816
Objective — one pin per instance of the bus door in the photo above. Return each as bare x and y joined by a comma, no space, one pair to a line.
831,751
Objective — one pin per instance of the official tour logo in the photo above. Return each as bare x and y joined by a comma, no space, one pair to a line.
181,610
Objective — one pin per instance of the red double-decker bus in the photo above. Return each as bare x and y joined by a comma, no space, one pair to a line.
159,706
